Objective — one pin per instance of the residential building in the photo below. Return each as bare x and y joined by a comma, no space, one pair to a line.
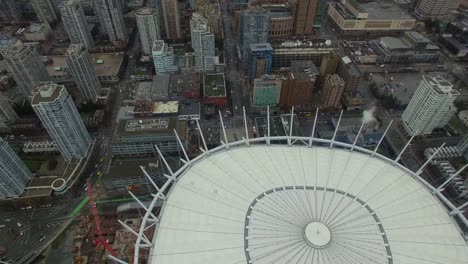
298,88
75,24
7,114
116,29
253,28
212,12
202,40
10,12
59,116
369,17
26,66
304,17
329,64
171,17
44,10
286,51
13,172
163,58
333,89
148,28
259,60
350,73
37,32
79,62
430,107
266,91
433,8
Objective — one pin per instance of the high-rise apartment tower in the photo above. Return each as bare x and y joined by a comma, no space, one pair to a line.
79,62
430,107
13,172
148,28
75,24
59,116
26,66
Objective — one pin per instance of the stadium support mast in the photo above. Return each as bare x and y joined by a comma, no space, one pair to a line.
311,139
246,128
203,138
403,150
382,138
336,130
358,134
441,187
291,123
187,160
268,125
428,160
225,143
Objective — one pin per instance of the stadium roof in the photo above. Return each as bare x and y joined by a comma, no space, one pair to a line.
295,204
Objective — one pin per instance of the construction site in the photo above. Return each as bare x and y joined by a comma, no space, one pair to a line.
99,234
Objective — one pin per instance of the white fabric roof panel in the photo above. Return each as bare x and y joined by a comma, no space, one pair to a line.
352,194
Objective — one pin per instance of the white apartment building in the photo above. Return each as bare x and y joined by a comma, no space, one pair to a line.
163,58
430,107
59,116
202,40
26,66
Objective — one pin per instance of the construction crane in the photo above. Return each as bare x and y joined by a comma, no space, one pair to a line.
100,242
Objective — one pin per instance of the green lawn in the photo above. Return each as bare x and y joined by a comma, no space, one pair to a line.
457,125
33,165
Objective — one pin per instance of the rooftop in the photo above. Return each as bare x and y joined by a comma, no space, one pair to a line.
179,83
304,70
105,64
261,47
189,108
37,27
393,43
169,107
148,126
383,10
145,11
214,85
158,45
258,195
48,92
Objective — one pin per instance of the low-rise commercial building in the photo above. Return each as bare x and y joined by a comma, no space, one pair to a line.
189,110
214,89
185,86
266,91
137,137
108,67
378,17
37,32
411,48
286,51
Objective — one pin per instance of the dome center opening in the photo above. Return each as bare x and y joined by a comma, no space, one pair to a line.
317,235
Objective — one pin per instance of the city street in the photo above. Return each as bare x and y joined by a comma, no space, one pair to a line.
25,231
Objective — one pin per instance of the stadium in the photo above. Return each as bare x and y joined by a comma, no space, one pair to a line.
295,199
